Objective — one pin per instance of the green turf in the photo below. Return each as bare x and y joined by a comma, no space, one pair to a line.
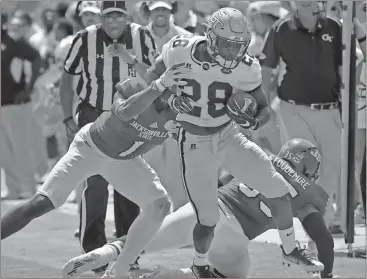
41,249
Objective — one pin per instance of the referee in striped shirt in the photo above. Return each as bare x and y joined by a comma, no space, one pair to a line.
91,56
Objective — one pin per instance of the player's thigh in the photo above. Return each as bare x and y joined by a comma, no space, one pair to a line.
228,252
199,168
135,180
250,164
164,159
292,124
79,163
175,231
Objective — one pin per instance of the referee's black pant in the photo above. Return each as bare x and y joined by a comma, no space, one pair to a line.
95,198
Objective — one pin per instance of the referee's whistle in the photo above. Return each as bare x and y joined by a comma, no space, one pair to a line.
115,44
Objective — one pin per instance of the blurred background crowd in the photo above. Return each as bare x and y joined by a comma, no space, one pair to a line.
34,126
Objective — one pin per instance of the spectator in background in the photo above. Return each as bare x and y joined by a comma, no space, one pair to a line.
307,46
16,109
61,9
137,14
183,16
161,27
89,13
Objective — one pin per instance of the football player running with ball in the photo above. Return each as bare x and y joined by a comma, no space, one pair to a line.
244,215
209,138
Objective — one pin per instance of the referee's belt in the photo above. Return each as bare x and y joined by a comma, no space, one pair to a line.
320,106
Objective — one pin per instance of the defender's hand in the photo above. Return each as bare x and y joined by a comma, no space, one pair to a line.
173,76
180,104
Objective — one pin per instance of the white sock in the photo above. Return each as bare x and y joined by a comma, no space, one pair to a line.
141,232
288,238
200,259
109,252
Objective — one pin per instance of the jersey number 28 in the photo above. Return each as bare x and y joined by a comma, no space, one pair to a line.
217,93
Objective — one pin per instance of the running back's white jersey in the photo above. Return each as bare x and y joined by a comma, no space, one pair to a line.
210,86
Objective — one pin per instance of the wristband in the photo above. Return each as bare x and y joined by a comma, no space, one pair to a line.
159,86
67,119
361,40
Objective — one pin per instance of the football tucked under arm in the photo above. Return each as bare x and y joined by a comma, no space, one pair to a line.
250,110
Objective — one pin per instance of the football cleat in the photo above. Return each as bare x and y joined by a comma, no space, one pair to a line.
299,257
201,271
86,262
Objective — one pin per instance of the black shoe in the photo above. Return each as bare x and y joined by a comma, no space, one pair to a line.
201,271
101,269
299,257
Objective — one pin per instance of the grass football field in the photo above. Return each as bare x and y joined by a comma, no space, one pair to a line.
45,245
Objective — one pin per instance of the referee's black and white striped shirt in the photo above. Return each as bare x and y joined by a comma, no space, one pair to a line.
100,72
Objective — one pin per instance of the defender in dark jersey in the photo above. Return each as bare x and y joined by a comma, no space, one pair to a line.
111,147
245,214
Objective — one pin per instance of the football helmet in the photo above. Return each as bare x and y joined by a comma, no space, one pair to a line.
228,37
303,156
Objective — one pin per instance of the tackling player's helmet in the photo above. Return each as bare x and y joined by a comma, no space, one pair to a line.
303,156
228,37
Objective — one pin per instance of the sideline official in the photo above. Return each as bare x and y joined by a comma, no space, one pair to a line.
90,56
307,47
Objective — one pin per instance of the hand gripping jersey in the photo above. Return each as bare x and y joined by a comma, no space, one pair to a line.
126,140
252,209
210,85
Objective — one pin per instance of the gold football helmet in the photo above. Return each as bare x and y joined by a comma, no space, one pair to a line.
228,37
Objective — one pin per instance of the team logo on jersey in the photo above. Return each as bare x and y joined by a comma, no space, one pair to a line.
131,71
226,71
154,125
327,38
100,56
206,66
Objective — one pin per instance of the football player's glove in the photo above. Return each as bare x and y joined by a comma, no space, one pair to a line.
179,104
242,118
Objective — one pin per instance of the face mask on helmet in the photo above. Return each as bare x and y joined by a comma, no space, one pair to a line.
228,37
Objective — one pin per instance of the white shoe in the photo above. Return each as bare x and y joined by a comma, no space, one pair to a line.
83,263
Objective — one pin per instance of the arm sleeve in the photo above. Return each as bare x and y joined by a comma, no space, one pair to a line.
73,62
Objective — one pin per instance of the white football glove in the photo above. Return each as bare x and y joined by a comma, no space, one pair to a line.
173,76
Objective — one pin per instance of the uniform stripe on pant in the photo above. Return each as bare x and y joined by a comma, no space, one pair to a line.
83,221
181,141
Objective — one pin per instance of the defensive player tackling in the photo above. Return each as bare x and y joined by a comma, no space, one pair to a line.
111,147
244,214
220,68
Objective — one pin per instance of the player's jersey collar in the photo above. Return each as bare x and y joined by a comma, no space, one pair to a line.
198,49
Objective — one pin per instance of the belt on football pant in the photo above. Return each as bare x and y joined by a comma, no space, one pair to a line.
318,106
